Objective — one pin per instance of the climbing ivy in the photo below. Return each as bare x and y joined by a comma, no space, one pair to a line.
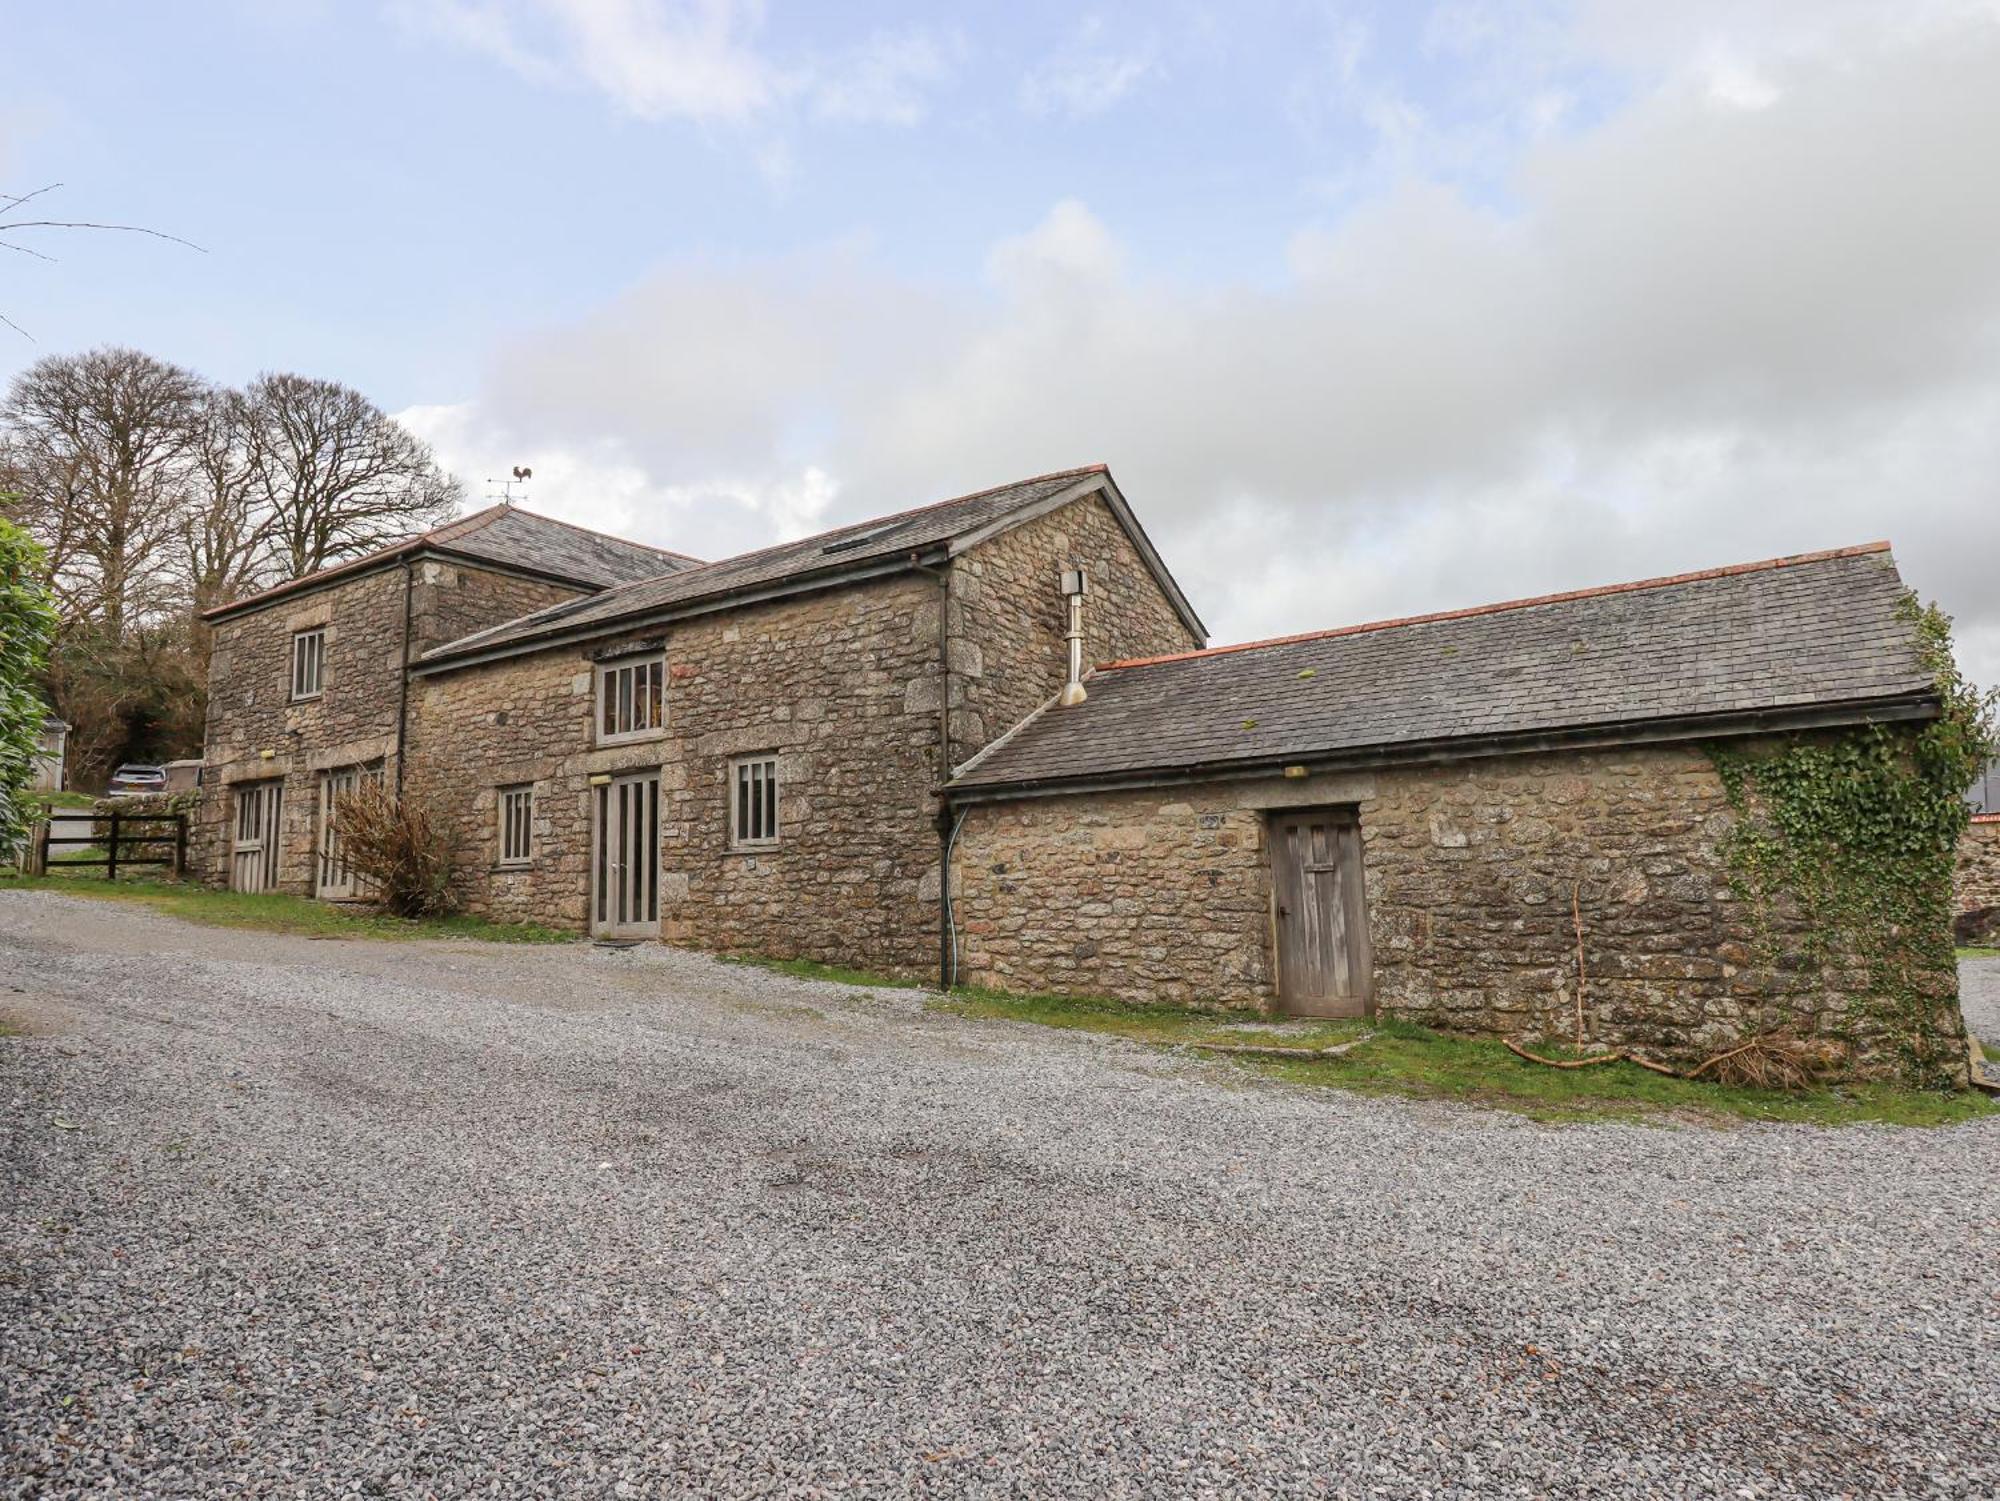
1852,838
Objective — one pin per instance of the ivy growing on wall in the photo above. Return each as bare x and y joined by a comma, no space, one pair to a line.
1852,838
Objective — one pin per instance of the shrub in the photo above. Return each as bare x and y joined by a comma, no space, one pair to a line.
27,624
405,847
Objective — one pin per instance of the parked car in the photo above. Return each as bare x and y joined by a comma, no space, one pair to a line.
136,780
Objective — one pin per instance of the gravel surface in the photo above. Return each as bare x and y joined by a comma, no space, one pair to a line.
296,1218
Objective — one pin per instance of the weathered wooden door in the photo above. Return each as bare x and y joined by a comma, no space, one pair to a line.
336,880
625,861
253,859
1320,913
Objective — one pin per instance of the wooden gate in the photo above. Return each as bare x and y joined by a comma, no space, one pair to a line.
253,860
1320,912
625,861
336,881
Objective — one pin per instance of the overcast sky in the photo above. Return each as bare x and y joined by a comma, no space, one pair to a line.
1372,308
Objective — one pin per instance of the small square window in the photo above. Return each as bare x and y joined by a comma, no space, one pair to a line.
517,825
753,802
309,663
631,698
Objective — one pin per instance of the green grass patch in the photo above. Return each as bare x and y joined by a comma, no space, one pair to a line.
1979,953
1401,1059
812,969
66,799
276,912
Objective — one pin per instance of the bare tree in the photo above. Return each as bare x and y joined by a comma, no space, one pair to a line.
98,445
225,528
339,476
16,218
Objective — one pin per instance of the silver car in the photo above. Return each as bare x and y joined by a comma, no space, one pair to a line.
135,779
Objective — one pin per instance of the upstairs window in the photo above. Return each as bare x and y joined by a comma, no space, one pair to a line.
753,802
309,663
517,825
631,698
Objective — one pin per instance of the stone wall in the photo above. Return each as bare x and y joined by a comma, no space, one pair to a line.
842,687
1976,889
1469,871
449,600
1008,616
256,731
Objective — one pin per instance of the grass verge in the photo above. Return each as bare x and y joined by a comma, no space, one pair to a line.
274,912
1401,1059
1977,953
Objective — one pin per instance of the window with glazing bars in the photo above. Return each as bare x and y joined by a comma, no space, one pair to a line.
753,804
308,663
631,698
517,825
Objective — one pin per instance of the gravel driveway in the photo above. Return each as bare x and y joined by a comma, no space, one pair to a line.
298,1218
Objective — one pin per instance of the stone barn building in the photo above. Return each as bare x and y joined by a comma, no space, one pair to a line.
308,688
865,747
1449,819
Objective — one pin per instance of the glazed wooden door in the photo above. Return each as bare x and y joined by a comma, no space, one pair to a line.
336,880
625,859
253,858
1320,913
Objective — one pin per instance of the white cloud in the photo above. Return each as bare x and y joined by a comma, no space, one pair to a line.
1088,74
696,60
599,484
1698,334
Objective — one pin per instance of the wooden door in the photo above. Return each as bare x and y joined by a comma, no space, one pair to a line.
1320,913
336,880
253,860
625,861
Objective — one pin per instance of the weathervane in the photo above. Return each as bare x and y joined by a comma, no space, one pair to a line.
522,474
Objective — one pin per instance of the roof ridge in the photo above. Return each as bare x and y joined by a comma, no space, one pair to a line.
591,531
934,505
757,552
1663,581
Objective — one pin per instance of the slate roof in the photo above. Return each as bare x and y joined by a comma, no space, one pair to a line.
509,536
1818,633
521,539
928,531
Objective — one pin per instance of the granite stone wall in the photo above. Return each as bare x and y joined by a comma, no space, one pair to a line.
1471,870
1976,889
257,731
841,687
844,687
1007,617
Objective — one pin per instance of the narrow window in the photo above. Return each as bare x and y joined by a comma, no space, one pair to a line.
309,663
631,698
753,802
517,825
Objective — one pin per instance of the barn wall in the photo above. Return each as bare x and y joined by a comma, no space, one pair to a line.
842,687
1008,616
1976,890
1470,869
255,731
